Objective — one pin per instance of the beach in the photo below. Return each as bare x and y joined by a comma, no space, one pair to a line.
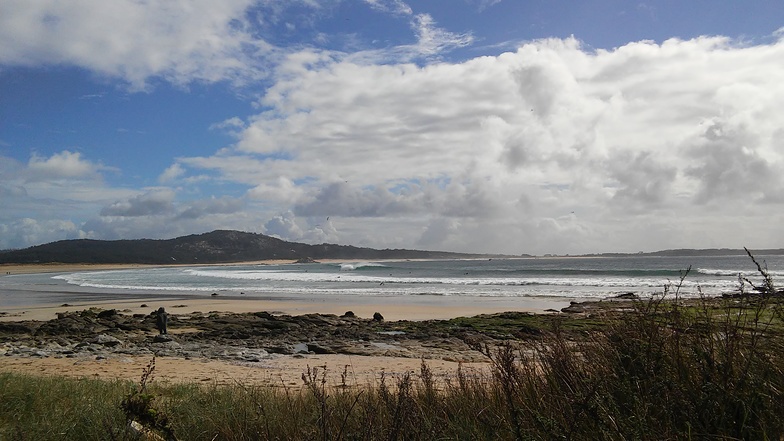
288,307
393,358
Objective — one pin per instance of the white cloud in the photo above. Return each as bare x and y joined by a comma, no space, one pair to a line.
53,193
485,4
151,203
206,207
549,148
20,233
63,165
433,40
284,226
172,173
552,143
392,6
199,40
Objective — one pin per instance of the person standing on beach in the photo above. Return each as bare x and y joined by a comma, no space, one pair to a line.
161,320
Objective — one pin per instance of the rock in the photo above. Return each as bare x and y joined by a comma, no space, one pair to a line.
349,314
107,313
16,328
627,296
573,308
106,340
378,317
317,348
282,349
305,260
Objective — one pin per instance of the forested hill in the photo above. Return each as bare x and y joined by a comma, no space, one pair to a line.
219,246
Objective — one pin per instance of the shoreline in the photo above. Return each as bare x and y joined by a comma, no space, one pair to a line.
23,304
391,308
37,268
272,369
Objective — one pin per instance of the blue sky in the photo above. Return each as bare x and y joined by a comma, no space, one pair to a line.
461,125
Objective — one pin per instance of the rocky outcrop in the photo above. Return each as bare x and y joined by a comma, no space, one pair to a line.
250,337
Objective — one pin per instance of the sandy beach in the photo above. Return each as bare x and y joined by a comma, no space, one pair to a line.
391,308
275,370
282,371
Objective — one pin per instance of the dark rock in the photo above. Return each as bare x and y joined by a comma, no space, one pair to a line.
16,328
162,338
573,308
627,296
305,260
378,317
349,314
317,348
106,340
107,313
282,349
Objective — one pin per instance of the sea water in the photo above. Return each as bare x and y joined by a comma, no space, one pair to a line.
575,278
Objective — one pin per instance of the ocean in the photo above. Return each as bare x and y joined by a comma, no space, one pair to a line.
572,278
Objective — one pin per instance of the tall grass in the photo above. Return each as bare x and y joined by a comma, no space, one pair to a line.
669,369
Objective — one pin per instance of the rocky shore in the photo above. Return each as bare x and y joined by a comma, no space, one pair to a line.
247,337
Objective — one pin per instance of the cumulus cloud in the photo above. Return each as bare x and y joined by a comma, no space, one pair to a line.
154,202
343,199
20,233
47,197
536,135
63,165
171,173
181,42
222,205
729,162
284,226
552,147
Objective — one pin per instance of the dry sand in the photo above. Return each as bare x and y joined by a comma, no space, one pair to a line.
283,370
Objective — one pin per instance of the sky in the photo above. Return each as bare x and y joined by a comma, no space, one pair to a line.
489,126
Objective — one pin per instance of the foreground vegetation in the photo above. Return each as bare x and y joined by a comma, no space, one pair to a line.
668,369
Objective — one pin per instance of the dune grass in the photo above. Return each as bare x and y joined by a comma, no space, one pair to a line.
669,369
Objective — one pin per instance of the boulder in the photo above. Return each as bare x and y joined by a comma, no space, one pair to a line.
106,340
